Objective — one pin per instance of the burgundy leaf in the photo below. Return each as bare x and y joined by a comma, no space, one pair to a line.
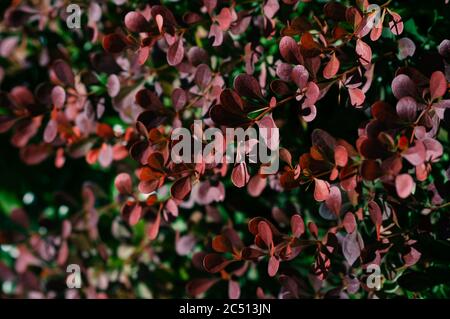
175,54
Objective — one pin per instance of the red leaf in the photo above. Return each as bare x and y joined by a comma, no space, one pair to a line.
224,19
273,266
135,215
364,52
438,85
396,25
349,222
239,175
200,285
265,233
256,185
357,97
332,67
297,225
114,43
153,230
321,190
214,263
340,156
181,188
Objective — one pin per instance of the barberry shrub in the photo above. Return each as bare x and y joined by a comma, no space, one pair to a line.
359,92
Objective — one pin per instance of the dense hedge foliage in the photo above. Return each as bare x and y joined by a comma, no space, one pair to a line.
359,94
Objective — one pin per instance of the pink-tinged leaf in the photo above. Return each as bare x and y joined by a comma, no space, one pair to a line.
290,50
351,247
284,71
364,52
122,182
256,185
309,112
407,109
153,229
246,85
179,99
269,132
297,225
135,22
434,149
340,156
113,85
175,54
50,132
321,190
63,253
234,290
357,97
181,188
217,33
224,19
332,67
404,184
312,227
265,233
239,175
185,244
135,215
66,229
334,200
349,223
406,48
271,8
412,257
200,285
402,86
396,24
143,54
159,22
202,75
444,48
300,76
105,156
58,97
273,266
438,85
416,155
